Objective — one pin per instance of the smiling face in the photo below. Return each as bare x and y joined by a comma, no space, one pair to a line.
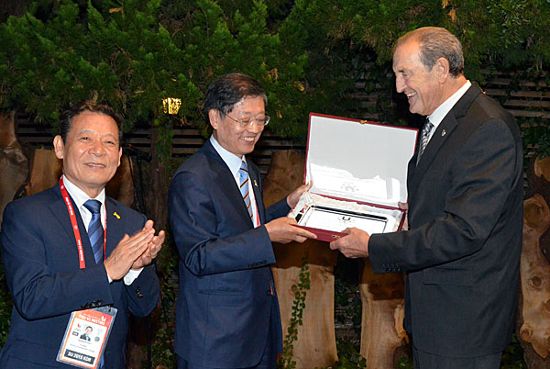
231,136
422,86
91,152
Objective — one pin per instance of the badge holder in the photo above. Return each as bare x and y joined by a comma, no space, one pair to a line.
86,337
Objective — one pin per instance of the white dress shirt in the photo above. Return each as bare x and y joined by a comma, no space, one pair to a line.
442,110
80,197
234,164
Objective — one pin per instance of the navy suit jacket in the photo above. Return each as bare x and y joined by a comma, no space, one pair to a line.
43,274
462,249
227,309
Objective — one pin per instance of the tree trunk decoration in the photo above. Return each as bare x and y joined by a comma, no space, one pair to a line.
13,162
382,331
46,169
539,181
316,344
534,319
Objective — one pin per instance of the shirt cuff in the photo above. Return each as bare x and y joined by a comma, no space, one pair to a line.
131,276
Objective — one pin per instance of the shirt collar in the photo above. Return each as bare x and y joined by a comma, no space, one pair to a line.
80,197
442,110
231,160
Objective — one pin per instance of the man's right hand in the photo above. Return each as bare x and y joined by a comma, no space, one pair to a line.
126,253
354,245
284,230
152,251
405,206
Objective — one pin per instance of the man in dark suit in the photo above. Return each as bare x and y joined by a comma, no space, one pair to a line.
461,252
227,311
61,257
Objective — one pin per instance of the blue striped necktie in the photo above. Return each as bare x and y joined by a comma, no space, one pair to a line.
95,234
95,229
244,181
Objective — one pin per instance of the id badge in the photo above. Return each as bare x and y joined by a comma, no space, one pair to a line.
86,337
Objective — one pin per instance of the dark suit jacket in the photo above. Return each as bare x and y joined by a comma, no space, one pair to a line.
462,250
225,309
43,275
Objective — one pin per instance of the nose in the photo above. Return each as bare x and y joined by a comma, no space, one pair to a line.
399,84
255,127
97,148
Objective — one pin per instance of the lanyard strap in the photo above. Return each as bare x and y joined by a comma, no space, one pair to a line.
74,226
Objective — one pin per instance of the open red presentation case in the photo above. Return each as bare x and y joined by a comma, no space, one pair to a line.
359,175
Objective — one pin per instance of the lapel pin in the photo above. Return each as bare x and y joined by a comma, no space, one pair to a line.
255,183
116,215
443,133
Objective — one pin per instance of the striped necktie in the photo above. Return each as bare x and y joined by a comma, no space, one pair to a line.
95,234
95,229
424,136
244,181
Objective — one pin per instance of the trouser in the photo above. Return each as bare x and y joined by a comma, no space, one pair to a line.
425,360
268,361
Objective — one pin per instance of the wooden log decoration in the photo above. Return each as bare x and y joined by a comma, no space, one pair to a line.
539,181
316,344
535,276
535,285
382,331
45,171
121,186
541,169
13,162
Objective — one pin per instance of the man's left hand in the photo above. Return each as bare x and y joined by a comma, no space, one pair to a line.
354,245
294,197
152,250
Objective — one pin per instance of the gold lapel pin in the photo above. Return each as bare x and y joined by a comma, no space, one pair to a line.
116,215
255,183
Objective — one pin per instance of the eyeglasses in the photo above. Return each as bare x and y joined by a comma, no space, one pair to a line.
247,120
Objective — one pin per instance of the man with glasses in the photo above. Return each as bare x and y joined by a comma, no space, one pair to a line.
227,311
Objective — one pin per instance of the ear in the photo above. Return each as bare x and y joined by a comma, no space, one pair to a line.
215,118
58,146
119,156
442,69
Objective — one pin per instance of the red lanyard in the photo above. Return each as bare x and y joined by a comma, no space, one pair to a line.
74,224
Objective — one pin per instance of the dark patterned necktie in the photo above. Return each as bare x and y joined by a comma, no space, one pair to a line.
244,181
424,136
95,229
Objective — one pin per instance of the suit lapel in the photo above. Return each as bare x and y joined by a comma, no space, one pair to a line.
61,214
115,230
227,181
255,184
443,132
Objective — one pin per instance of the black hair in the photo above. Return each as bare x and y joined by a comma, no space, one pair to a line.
228,90
87,105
